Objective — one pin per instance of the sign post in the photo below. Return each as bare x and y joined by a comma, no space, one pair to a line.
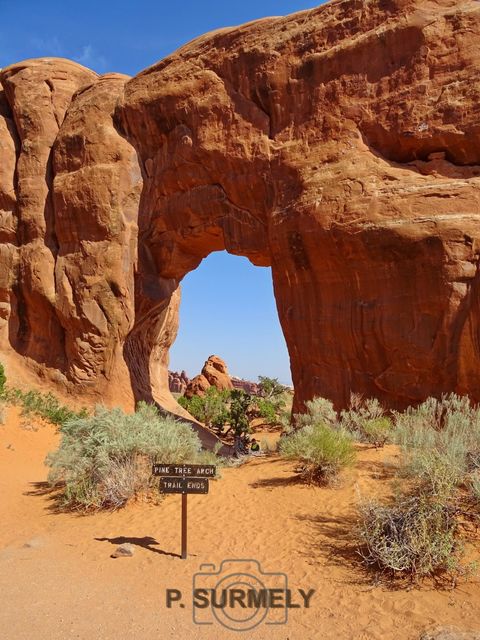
184,479
184,526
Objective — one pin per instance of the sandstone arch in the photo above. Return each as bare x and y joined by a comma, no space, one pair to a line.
287,141
340,146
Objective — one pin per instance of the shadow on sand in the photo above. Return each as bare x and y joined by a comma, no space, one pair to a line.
54,494
146,542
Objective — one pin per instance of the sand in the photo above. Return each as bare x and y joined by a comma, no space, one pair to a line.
57,579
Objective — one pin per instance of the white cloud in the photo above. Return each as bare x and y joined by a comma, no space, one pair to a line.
90,58
48,46
87,55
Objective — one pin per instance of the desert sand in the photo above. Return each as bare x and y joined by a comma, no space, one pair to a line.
58,581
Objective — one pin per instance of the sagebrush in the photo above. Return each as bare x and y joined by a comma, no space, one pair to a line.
415,535
321,451
440,441
366,421
419,532
105,459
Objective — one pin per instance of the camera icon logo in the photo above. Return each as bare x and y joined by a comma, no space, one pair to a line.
239,595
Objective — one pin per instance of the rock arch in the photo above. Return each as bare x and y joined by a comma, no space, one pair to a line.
340,146
331,146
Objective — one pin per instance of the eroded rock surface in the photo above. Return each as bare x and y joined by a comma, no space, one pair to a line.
214,374
340,145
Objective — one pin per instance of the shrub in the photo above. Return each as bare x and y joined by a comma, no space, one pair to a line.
440,440
45,405
321,450
105,459
416,535
193,405
239,406
366,421
215,406
272,402
211,408
474,486
267,410
377,431
418,532
3,379
319,410
270,387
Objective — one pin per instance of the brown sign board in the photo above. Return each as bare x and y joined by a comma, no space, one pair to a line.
183,485
183,470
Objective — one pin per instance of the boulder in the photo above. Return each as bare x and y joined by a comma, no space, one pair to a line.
125,550
216,373
197,386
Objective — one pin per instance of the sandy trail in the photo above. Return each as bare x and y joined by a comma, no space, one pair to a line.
64,584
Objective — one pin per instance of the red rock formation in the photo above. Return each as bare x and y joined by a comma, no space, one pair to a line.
214,374
95,194
197,386
305,143
36,95
69,244
245,385
340,145
177,382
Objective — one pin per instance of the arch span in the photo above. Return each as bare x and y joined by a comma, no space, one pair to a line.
340,146
328,153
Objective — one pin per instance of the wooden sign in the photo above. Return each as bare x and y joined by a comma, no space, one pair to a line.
184,479
183,485
184,470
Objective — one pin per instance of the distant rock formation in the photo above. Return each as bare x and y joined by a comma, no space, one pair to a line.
177,382
245,385
214,374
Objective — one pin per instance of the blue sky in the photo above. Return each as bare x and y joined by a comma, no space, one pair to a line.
228,306
228,309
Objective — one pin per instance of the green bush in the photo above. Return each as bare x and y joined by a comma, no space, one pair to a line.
321,450
366,421
270,387
3,379
272,400
415,535
105,459
211,408
418,533
319,410
267,410
440,441
215,406
238,414
377,431
45,405
193,405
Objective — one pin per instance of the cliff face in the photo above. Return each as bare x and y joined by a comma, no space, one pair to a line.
340,146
